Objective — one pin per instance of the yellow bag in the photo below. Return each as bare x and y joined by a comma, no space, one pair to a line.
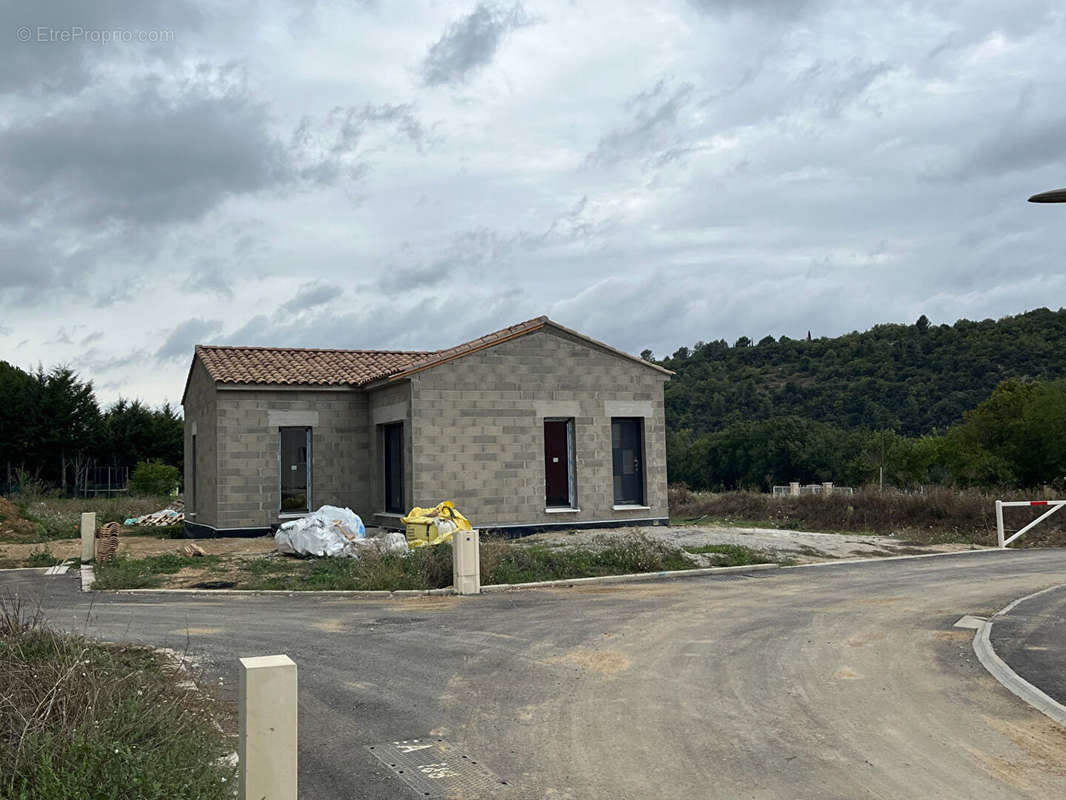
423,526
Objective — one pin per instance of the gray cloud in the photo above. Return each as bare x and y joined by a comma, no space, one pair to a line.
470,43
655,115
778,8
144,157
311,295
472,250
181,339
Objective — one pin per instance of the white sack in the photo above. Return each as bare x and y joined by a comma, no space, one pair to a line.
329,531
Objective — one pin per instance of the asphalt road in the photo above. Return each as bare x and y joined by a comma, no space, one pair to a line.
1031,637
841,681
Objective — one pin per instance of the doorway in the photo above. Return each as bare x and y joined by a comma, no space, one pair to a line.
559,463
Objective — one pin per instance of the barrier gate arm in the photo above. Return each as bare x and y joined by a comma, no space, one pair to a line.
1054,505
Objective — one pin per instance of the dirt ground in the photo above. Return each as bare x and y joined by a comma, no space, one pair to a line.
141,546
801,547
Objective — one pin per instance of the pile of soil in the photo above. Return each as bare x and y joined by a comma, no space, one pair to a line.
13,528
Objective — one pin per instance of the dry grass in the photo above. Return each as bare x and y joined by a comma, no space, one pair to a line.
60,517
81,720
938,515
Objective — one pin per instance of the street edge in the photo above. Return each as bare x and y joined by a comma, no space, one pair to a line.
633,577
841,562
488,589
1011,680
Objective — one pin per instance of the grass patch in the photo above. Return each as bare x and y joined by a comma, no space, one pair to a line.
502,561
145,573
83,720
736,555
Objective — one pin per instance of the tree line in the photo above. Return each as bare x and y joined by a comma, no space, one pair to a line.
53,429
970,404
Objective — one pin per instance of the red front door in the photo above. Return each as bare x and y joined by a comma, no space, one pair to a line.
556,463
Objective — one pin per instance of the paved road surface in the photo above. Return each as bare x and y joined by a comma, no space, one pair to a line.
1031,637
840,681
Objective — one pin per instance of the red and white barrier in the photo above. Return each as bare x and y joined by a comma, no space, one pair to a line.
1053,506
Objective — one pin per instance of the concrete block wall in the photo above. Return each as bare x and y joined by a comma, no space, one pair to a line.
200,408
391,403
248,450
477,429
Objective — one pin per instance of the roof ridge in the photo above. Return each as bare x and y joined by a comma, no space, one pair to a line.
311,349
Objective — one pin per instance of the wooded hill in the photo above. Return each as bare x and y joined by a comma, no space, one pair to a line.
970,404
911,379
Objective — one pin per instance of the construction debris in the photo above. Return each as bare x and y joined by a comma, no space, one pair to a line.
192,550
158,519
429,526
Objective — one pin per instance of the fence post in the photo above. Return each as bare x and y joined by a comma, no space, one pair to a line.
466,562
794,488
999,523
266,714
88,536
827,487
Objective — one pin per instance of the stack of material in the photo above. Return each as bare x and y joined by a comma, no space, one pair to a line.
157,519
107,542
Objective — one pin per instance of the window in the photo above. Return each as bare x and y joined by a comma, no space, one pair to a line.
190,490
559,463
392,466
627,452
295,470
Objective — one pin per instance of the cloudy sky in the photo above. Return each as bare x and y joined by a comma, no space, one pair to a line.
409,175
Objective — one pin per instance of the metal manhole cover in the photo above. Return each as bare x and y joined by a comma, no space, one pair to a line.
437,769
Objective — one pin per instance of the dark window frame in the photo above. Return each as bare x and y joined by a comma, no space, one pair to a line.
308,461
191,488
618,489
389,477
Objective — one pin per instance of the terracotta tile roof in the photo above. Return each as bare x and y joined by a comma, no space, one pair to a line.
286,365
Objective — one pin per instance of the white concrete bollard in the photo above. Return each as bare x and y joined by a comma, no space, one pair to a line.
794,488
88,536
466,562
266,715
827,487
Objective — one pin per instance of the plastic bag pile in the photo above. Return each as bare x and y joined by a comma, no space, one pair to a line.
333,531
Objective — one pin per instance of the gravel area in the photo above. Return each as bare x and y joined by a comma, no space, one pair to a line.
801,547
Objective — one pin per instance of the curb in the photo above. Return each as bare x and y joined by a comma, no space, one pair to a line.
88,577
379,593
843,562
1011,680
631,578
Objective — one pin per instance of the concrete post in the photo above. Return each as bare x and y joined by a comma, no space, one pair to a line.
88,536
794,488
266,720
1000,533
827,487
466,562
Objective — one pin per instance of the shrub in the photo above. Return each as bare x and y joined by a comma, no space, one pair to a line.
42,557
154,477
